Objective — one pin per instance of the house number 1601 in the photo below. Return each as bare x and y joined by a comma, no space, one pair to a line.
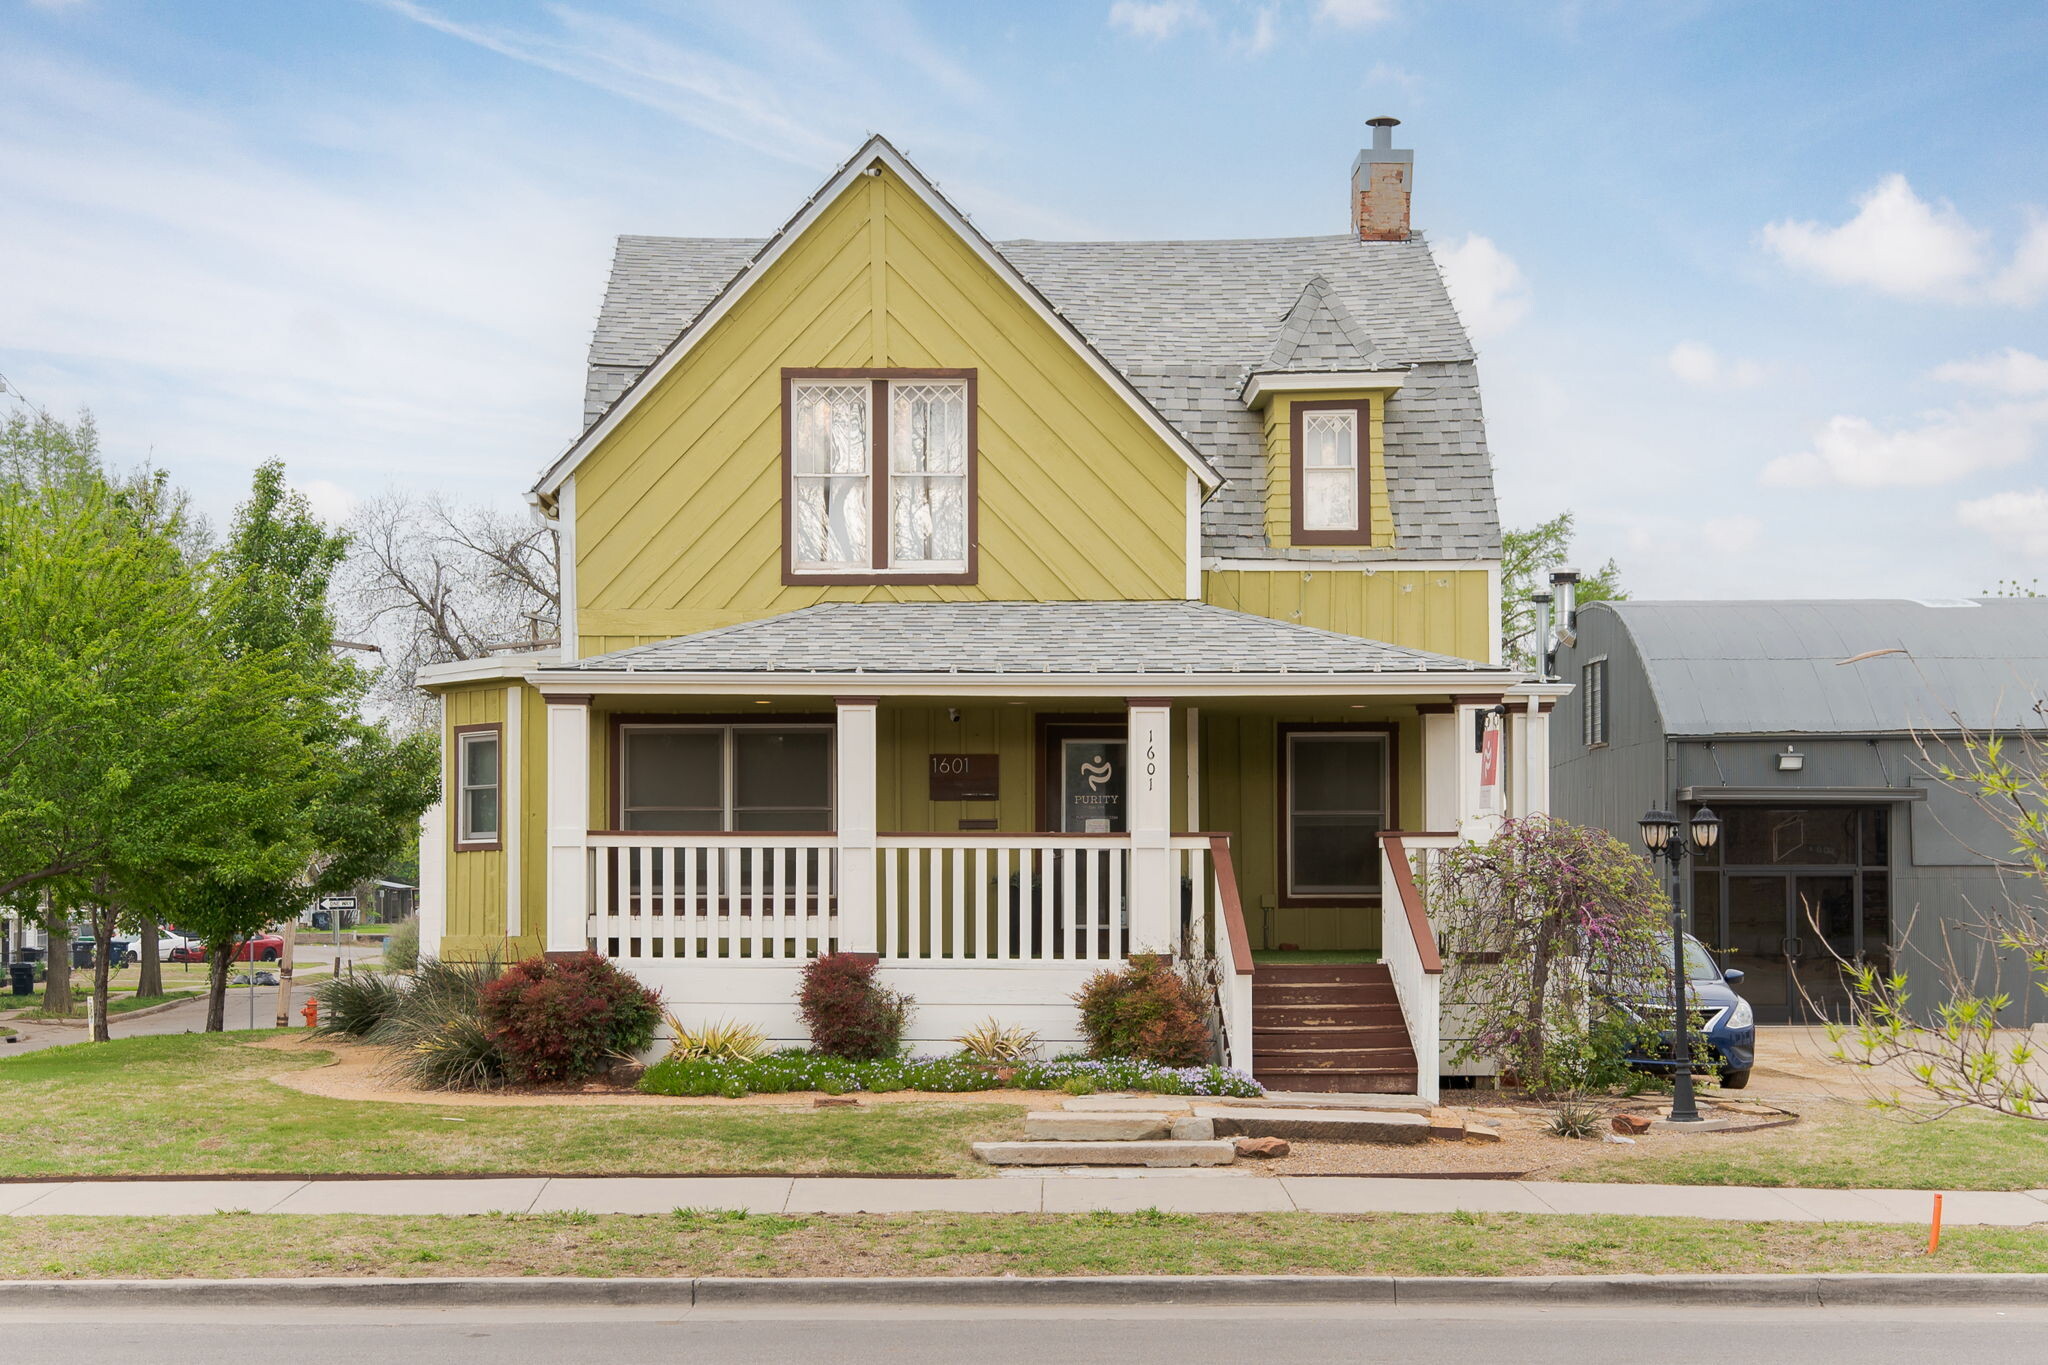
1151,763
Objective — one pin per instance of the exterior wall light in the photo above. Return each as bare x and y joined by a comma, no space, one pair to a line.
1791,761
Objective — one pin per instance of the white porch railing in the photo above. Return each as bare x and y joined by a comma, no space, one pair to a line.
684,897
1408,945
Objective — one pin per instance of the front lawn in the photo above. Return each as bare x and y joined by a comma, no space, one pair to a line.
1145,1243
199,1104
1844,1144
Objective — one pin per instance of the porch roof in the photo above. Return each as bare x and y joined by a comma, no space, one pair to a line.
992,639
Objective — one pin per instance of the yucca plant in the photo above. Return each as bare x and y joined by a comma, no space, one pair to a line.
436,1033
993,1044
721,1041
357,1006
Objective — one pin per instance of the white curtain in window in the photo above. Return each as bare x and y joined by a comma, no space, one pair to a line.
1329,471
829,431
928,474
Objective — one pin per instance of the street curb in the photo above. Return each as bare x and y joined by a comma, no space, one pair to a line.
1130,1291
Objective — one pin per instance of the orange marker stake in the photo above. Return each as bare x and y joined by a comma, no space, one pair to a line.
1934,1232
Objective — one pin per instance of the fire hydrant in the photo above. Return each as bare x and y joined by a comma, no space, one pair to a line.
312,1013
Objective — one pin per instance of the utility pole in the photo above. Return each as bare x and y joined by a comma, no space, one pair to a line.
284,972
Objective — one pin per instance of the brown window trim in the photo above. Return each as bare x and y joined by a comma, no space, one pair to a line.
1282,805
461,845
878,476
615,752
1361,536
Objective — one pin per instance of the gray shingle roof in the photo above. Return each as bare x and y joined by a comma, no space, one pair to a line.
1186,322
1723,668
990,638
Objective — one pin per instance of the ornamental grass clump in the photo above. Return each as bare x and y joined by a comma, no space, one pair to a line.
849,1013
994,1044
436,1032
720,1041
567,1019
357,1006
1145,1011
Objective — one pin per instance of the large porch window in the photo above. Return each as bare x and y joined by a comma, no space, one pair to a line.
701,776
1336,793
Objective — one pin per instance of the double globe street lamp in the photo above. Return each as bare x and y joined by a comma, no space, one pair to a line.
1660,836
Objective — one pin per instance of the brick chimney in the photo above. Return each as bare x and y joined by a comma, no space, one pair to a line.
1381,179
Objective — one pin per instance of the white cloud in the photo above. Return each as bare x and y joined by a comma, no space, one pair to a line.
1486,285
2024,281
2010,371
1943,446
2014,520
1154,19
1264,33
328,500
1703,367
1731,535
1355,13
1897,242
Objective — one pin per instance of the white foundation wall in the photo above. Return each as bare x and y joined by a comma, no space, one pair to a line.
947,1000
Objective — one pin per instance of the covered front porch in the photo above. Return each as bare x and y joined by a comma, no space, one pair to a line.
995,837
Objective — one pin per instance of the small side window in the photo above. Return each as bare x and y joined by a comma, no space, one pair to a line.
477,771
1593,703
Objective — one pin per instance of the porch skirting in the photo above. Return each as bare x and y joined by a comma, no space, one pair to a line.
949,999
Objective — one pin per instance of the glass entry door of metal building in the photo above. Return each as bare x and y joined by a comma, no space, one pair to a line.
1790,895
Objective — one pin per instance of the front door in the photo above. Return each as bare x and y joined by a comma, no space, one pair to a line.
1091,785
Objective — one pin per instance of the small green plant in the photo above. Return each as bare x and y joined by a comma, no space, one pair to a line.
721,1041
1078,1085
1146,1011
402,947
1575,1118
993,1044
357,1006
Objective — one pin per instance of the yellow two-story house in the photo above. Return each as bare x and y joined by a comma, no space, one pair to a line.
1003,610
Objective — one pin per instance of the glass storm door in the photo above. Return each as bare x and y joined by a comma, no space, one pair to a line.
1091,786
1823,938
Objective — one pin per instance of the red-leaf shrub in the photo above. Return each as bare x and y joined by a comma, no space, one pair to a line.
848,1014
1143,1011
567,1019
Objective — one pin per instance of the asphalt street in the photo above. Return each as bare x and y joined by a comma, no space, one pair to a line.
1982,1336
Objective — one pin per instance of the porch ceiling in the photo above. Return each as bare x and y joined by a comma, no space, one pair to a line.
963,643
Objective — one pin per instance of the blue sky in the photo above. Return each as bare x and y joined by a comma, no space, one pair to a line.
1760,290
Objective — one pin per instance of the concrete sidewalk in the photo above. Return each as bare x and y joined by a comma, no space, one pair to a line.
1168,1192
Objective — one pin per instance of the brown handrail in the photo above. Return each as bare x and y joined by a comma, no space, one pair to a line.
1411,905
1233,906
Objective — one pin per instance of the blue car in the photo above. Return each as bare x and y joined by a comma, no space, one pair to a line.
1723,1024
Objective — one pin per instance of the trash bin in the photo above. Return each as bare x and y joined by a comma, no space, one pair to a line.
21,977
81,953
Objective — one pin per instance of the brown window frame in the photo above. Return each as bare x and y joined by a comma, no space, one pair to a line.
461,791
615,752
878,485
1283,807
1299,535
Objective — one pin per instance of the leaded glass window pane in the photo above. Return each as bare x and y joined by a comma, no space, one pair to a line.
928,474
830,430
1329,471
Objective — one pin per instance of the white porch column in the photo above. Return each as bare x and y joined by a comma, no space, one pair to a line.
854,801
568,926
1515,745
1476,821
433,910
1440,767
1148,783
1538,801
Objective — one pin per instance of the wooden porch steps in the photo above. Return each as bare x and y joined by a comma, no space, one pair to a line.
1331,1028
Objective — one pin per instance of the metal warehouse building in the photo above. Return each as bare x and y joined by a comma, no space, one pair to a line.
1813,729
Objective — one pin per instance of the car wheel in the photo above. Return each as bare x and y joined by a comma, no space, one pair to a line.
270,955
1735,1080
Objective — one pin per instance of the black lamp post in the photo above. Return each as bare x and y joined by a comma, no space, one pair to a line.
1660,836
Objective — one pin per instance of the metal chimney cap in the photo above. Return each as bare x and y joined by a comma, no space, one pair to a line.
1565,576
1383,121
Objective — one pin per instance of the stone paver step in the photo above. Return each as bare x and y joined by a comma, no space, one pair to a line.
1061,1125
1327,1125
1166,1153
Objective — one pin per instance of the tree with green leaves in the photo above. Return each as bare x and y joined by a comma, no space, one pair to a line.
1528,557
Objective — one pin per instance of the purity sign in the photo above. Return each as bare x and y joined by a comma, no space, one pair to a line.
1092,786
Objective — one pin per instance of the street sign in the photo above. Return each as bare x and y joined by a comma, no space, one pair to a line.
337,902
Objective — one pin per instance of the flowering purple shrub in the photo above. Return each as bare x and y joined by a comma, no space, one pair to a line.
1543,925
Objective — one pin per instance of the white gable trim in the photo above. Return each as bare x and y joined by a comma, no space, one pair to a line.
876,152
1261,387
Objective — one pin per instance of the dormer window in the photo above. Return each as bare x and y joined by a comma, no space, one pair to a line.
1329,473
880,476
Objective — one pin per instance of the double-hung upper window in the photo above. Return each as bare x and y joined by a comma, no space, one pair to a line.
1593,700
880,476
478,782
1330,499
